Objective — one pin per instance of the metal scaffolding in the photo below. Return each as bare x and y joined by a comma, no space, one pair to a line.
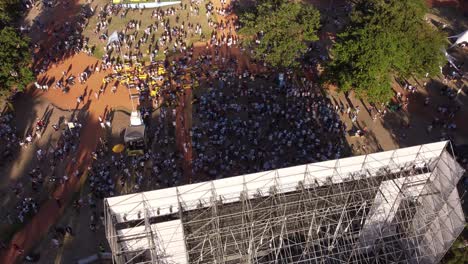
399,206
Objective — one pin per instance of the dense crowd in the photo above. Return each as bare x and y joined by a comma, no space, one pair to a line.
249,126
45,176
172,37
8,139
64,39
244,120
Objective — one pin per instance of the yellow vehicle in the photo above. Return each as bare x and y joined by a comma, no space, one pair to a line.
135,152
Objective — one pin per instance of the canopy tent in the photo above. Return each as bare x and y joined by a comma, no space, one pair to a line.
463,37
135,119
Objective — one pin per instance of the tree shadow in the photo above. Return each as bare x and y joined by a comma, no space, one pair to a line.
426,121
76,159
453,12
27,110
56,33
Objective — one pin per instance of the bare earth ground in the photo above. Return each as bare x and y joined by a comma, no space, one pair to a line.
384,134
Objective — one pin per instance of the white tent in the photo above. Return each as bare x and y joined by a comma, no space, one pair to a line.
463,37
135,119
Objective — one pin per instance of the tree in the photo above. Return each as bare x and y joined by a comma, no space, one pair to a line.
8,11
282,29
385,38
15,59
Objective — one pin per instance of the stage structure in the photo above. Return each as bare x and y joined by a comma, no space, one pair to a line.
399,206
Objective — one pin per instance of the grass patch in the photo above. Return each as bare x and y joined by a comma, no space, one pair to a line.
118,24
98,52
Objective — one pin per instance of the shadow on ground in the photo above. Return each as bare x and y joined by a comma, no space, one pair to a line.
428,121
56,32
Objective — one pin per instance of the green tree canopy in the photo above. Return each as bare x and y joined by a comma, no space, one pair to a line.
385,38
15,59
8,11
286,27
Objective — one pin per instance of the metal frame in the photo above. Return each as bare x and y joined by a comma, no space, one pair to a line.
399,211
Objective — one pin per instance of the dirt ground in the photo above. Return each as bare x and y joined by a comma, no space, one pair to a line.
91,108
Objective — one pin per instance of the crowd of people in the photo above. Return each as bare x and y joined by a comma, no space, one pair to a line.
45,175
246,126
160,37
244,120
9,140
63,39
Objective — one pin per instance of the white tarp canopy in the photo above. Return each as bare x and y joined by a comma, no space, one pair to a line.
135,119
286,179
463,37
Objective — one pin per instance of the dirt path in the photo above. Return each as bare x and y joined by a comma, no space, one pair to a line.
183,128
90,109
184,108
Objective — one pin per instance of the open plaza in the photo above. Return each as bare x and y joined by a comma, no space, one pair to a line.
152,134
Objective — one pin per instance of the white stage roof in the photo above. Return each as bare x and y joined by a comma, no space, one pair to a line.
285,179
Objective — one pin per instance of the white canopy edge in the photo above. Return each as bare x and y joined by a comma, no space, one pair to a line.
166,201
462,37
